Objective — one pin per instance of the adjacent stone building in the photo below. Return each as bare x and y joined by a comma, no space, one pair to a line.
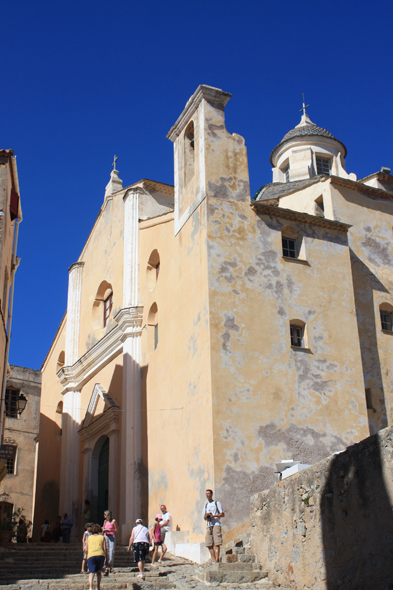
19,449
10,217
208,335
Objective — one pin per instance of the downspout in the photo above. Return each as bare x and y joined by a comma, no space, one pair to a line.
14,267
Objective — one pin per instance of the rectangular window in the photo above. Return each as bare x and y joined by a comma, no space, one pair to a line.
286,173
323,166
8,456
289,248
155,336
107,308
386,321
297,336
11,398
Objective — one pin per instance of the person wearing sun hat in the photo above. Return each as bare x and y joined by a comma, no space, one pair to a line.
141,540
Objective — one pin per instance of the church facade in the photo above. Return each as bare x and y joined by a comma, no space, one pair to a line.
209,336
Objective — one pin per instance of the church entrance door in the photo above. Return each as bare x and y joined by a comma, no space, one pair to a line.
103,480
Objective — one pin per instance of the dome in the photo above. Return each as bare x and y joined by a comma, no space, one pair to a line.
306,128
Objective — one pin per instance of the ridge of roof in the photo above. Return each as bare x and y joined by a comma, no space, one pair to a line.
276,190
299,216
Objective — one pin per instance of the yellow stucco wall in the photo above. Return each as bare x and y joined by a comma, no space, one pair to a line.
176,375
49,452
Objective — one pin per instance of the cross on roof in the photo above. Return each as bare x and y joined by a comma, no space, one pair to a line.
114,162
304,107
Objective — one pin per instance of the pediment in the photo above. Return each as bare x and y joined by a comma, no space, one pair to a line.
100,401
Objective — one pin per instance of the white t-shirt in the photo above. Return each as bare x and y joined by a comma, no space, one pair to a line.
213,507
141,534
165,517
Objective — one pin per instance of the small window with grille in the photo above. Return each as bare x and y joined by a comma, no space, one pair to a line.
289,248
386,320
286,173
297,334
108,303
10,465
323,165
11,398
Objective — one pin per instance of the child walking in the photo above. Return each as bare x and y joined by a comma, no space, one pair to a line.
86,535
157,540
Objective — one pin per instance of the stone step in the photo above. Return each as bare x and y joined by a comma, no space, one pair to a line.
235,558
232,577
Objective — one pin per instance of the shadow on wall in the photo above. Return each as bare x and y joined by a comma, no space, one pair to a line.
145,447
365,283
357,518
48,476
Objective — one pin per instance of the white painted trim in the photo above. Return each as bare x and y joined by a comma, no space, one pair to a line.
179,222
129,322
98,391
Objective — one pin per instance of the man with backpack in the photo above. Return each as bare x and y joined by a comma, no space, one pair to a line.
212,512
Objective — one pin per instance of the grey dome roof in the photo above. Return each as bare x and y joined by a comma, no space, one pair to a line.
306,130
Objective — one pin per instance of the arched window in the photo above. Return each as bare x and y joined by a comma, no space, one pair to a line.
189,153
152,326
297,329
152,270
292,243
102,306
60,361
386,314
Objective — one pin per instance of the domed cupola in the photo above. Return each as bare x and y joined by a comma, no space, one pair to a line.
307,151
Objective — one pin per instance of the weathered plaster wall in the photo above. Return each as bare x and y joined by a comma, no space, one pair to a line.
50,437
270,401
22,431
371,253
331,525
370,241
304,200
176,390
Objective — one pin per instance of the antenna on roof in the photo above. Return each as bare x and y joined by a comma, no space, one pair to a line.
304,106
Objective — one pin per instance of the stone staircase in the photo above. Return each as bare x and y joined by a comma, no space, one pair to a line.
49,566
238,565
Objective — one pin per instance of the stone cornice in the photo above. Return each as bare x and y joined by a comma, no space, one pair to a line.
76,265
261,207
136,190
106,423
129,324
202,92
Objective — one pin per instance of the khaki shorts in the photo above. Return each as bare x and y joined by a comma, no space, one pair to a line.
213,536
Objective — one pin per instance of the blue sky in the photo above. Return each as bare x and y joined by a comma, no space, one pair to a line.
84,80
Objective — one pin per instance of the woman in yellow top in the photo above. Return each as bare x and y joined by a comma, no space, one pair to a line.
96,555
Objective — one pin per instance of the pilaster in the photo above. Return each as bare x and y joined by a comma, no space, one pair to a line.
73,312
130,323
70,457
131,247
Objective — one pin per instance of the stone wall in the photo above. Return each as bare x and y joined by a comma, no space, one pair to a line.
331,525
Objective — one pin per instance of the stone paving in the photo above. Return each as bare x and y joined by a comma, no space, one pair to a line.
21,570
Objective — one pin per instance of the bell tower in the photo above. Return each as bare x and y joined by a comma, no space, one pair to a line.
207,159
